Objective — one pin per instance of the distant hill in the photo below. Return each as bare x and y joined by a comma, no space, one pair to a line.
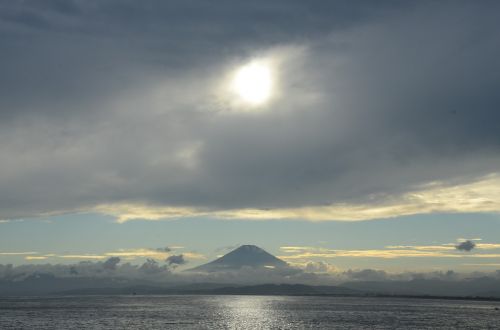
285,289
246,255
217,289
40,284
47,284
476,287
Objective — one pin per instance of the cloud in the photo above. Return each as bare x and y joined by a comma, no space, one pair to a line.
35,258
95,273
176,260
194,255
477,196
151,267
438,248
367,275
489,264
111,263
133,122
466,246
487,246
164,249
304,257
319,267
157,253
448,250
82,256
112,258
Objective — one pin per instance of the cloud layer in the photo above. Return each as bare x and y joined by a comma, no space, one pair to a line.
120,106
304,254
151,271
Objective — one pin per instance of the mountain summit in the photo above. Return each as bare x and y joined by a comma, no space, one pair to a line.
244,256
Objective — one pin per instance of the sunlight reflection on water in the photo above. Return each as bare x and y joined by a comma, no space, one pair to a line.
251,312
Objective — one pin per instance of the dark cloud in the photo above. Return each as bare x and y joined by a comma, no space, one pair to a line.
176,260
151,266
111,263
100,102
466,246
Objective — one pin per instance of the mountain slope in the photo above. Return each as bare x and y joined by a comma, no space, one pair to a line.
244,256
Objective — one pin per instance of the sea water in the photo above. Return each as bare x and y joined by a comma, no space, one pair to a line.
244,312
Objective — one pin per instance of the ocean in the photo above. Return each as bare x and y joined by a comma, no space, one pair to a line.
244,312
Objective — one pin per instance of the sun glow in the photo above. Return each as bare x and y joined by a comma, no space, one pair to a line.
253,83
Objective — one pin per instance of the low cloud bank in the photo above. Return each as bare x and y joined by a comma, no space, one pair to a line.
176,260
466,246
313,273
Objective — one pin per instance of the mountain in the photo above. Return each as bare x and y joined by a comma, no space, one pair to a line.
244,256
475,287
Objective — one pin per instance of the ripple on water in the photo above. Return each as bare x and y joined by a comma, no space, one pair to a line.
244,312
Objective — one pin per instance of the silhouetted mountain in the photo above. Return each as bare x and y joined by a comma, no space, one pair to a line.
217,289
245,255
477,287
39,284
151,288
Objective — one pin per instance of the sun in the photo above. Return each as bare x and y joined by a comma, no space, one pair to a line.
253,82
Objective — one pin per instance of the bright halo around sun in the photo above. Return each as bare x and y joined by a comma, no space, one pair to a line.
253,82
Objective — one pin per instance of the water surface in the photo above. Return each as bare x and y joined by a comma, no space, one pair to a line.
244,312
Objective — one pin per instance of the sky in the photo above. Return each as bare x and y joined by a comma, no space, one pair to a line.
339,134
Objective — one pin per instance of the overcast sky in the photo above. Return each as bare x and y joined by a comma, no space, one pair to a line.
122,111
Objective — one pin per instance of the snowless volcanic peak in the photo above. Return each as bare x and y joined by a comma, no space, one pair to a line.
244,256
